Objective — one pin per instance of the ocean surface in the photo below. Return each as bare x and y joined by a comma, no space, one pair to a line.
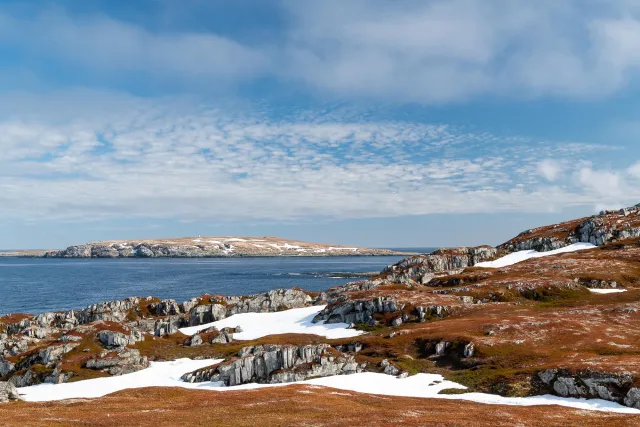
35,285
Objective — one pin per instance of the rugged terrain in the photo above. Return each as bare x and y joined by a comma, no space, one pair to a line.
541,326
199,247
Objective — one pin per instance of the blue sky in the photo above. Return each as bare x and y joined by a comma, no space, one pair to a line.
380,123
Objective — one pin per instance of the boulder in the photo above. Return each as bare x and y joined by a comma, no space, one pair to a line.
8,392
118,339
207,313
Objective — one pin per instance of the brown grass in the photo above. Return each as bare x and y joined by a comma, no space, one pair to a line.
291,405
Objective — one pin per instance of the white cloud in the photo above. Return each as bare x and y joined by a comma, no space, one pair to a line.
549,169
433,51
171,159
113,48
602,183
634,170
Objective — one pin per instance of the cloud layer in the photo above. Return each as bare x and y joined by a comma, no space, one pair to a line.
433,51
167,159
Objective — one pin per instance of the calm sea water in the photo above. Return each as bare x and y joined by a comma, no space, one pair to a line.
37,285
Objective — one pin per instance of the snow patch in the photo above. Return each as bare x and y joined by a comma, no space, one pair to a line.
294,321
234,239
158,374
607,291
167,374
520,256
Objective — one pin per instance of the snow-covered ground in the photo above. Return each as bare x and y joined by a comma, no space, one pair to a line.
159,374
607,291
520,256
294,321
167,374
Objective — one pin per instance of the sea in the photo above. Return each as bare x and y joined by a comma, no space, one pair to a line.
36,285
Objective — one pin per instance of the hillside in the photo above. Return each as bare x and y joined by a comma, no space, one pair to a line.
515,327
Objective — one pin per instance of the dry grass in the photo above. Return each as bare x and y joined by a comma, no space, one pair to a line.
291,405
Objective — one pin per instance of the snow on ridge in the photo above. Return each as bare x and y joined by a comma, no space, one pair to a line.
288,246
293,321
520,256
235,239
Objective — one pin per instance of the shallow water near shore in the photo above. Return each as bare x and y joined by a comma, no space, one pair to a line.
35,285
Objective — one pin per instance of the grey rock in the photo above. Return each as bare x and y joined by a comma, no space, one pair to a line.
632,399
277,364
8,392
208,313
391,370
195,341
124,361
442,347
469,350
421,269
6,367
356,311
118,339
547,376
52,354
567,386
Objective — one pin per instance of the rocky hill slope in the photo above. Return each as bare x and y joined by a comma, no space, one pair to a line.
199,247
566,324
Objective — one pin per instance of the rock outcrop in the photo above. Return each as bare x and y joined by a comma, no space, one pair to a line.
421,269
222,307
606,227
119,362
273,364
8,392
613,387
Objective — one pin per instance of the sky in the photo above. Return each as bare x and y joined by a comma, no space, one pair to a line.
375,123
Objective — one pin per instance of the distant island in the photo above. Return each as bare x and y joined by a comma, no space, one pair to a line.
203,247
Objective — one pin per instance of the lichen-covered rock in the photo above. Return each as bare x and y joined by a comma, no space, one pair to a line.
207,313
277,364
118,339
6,367
122,361
52,354
166,307
421,269
632,399
613,387
348,311
359,311
167,326
8,392
275,300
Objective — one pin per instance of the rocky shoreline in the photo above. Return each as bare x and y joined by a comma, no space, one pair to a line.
525,329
